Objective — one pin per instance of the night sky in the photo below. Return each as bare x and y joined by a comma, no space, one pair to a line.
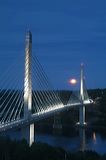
65,33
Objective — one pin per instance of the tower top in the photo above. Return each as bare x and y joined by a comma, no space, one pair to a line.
82,64
29,36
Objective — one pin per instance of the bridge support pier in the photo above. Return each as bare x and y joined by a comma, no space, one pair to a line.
57,126
28,133
82,122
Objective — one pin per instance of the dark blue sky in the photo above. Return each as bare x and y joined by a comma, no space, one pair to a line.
65,33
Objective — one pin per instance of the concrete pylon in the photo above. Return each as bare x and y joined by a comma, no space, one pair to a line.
28,131
82,122
57,125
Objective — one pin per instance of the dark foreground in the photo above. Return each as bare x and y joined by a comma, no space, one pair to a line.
19,150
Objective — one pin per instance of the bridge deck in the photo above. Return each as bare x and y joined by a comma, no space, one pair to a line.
38,116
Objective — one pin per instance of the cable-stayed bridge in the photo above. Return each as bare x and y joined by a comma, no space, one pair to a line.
21,107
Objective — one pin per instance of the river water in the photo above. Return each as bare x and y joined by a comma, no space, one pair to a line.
79,139
83,140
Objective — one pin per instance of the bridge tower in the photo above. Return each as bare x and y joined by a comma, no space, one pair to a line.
28,131
82,107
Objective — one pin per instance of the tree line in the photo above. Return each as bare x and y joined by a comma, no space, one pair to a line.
20,150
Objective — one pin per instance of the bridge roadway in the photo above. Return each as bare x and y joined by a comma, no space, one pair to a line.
40,115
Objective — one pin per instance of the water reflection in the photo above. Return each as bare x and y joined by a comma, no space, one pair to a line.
94,137
82,139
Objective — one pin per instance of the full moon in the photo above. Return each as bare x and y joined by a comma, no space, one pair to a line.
73,81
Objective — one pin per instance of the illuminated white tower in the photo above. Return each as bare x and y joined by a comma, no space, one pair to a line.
28,131
82,107
27,78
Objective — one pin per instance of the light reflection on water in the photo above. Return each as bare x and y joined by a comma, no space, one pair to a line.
97,143
94,137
